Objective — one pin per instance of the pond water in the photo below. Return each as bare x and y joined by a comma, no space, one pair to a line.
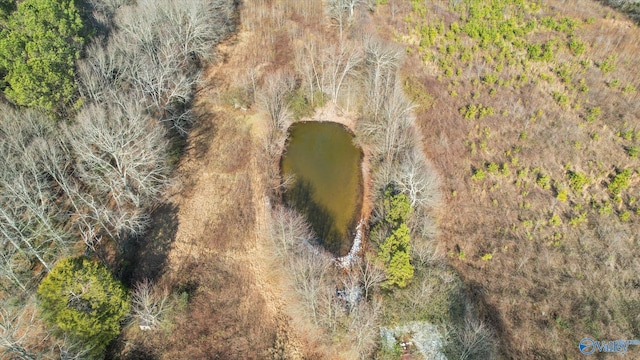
328,181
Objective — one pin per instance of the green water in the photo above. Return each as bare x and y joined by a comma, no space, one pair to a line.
328,181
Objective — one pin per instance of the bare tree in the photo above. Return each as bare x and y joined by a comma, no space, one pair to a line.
121,157
194,26
363,327
382,61
342,12
476,340
156,53
272,98
289,229
387,126
371,276
418,180
30,218
102,71
309,268
310,271
338,63
328,67
15,331
149,304
69,348
13,266
423,250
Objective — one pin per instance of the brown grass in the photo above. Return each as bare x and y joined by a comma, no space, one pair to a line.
233,310
546,286
237,307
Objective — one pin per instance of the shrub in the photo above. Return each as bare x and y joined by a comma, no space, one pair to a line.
577,220
609,64
576,46
469,111
505,171
478,175
562,195
625,216
302,105
544,181
577,181
490,79
561,98
593,114
397,207
632,151
583,86
620,182
394,253
626,134
606,209
555,220
534,52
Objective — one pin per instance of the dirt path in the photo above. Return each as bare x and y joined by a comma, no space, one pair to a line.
222,217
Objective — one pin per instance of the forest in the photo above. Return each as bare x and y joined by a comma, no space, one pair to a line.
144,205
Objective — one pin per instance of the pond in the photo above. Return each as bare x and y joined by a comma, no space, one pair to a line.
327,188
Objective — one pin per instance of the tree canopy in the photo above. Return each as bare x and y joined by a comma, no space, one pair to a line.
394,251
38,47
6,8
81,298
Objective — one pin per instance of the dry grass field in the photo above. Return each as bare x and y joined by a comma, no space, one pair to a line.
534,129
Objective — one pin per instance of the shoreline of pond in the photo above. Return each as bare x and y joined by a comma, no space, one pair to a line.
357,228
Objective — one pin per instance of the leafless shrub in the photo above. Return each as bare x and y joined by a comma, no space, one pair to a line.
149,304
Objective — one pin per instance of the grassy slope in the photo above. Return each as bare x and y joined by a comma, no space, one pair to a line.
554,270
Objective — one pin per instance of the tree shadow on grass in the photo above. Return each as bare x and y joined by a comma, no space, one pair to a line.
140,351
506,347
146,256
204,129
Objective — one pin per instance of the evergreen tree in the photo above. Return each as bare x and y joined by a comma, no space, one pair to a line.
39,45
83,300
6,8
394,252
395,249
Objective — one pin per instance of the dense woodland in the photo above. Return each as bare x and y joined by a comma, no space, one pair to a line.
96,103
141,212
